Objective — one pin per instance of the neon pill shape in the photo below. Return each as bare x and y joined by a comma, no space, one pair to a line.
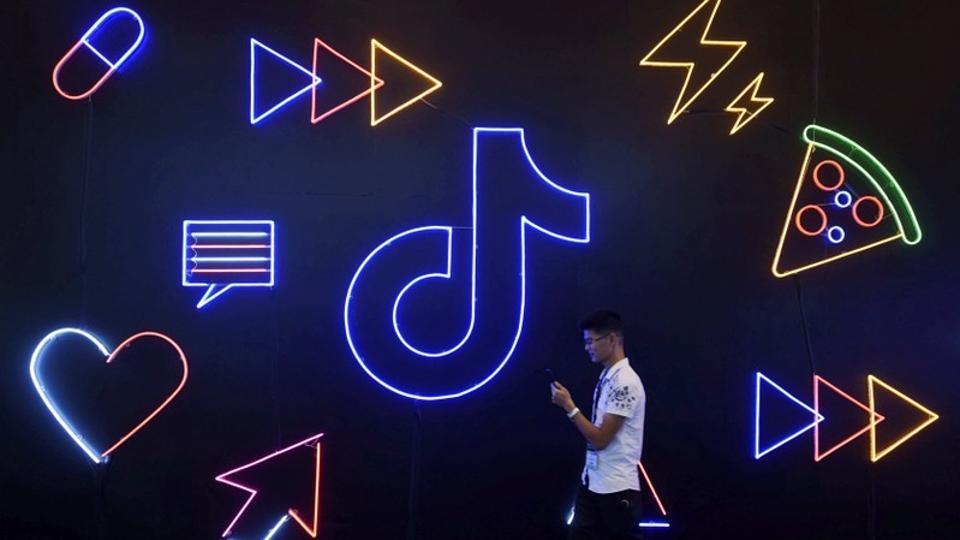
102,24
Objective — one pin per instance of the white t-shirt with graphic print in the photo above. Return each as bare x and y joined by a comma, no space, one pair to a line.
620,393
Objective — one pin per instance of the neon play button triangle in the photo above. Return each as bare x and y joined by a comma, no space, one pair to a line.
434,83
258,111
321,48
932,417
874,418
817,418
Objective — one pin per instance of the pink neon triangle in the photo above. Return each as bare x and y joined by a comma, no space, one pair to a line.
314,118
817,456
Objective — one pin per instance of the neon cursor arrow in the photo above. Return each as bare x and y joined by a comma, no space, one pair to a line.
311,528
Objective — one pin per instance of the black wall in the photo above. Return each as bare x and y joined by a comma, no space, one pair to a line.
685,223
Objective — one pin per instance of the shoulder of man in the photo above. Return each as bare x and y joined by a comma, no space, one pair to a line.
626,379
627,375
624,393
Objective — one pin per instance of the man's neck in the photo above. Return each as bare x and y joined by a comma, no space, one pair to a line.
607,364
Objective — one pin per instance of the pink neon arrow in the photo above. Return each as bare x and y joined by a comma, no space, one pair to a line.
311,529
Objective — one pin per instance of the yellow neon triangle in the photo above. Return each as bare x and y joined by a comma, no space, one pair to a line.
775,267
434,82
931,418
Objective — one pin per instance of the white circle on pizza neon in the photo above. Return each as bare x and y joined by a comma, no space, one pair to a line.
842,199
835,234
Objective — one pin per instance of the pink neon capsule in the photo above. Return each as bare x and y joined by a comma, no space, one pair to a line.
103,24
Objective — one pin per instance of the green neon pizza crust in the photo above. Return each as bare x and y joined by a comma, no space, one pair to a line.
858,157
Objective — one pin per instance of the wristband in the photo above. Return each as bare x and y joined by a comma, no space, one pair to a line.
573,413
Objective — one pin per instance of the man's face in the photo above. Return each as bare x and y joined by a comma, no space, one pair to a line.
598,345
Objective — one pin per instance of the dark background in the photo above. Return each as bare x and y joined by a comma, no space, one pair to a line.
685,222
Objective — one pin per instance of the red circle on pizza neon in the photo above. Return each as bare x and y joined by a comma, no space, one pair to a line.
799,220
856,206
840,175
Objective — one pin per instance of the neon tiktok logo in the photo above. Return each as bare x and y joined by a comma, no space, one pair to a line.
407,296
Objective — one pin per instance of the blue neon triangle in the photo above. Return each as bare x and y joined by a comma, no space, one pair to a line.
259,112
817,418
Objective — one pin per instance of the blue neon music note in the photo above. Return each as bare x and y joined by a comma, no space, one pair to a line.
420,272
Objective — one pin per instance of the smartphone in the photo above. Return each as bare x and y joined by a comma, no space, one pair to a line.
549,375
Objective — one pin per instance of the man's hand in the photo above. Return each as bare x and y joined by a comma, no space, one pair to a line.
560,397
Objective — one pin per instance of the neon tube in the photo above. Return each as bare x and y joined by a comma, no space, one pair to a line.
84,41
35,358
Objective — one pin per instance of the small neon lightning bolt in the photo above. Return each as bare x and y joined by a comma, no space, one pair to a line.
682,100
753,102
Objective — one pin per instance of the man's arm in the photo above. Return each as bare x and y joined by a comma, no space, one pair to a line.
600,436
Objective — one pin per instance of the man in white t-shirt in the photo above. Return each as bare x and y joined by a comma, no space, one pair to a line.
608,500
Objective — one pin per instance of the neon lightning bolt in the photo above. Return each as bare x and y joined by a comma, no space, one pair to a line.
683,100
749,107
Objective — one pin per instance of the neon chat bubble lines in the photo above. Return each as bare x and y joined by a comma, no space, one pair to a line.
223,254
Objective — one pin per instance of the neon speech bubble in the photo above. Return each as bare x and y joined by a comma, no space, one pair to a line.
103,24
422,259
221,255
61,418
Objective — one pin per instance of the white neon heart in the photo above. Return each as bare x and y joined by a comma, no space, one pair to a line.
87,448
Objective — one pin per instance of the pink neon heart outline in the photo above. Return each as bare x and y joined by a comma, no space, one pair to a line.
113,354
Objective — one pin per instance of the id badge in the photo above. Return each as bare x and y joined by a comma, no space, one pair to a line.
593,460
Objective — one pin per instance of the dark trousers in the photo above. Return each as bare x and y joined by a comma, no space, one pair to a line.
611,516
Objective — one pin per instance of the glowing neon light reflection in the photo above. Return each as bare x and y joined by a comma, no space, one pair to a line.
84,41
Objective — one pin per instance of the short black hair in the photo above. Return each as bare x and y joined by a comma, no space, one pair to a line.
603,321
